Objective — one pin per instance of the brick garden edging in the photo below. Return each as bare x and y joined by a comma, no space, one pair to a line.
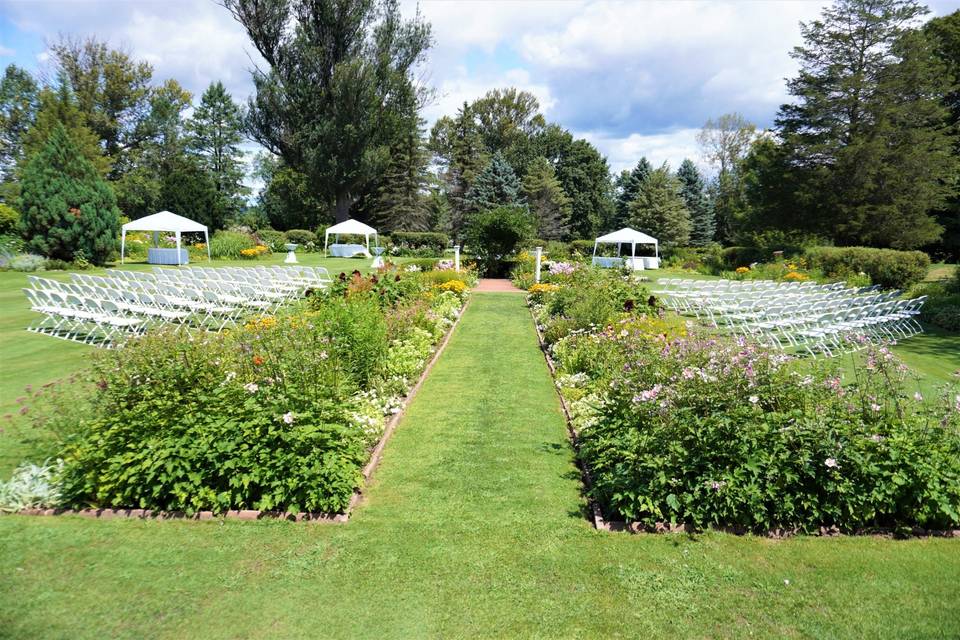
600,523
252,514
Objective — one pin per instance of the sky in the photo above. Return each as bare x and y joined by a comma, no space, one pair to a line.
636,78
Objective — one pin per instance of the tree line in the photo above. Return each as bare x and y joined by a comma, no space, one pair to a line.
865,152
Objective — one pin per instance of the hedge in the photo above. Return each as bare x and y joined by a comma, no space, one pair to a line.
886,267
583,246
421,240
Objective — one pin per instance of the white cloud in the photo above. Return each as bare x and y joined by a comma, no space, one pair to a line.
465,87
6,51
624,152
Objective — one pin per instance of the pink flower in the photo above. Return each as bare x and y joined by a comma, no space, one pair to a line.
831,463
648,395
687,373
875,406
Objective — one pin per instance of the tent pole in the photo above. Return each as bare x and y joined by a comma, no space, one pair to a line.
123,243
206,239
178,248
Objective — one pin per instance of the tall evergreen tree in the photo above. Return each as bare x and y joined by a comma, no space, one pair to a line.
628,185
547,201
66,208
398,203
18,107
694,193
659,209
585,176
215,136
337,87
867,132
58,107
461,153
189,189
497,185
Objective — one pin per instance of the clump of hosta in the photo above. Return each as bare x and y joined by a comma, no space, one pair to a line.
32,486
406,358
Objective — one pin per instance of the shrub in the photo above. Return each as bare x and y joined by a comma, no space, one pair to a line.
583,247
31,486
495,234
9,220
434,242
28,262
229,244
886,267
65,206
306,239
423,264
942,307
274,240
707,432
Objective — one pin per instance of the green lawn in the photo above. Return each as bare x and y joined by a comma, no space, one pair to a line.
34,359
473,528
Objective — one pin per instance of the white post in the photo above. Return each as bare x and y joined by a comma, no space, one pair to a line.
456,258
123,243
536,266
178,249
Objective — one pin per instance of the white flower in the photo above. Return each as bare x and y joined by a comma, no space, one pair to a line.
754,399
918,396
288,417
831,463
252,387
323,355
230,376
877,437
875,406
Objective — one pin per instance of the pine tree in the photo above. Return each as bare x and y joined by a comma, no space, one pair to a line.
628,185
214,135
188,189
66,208
547,200
659,209
59,107
693,191
398,204
497,185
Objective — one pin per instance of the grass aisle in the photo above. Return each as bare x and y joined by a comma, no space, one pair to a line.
472,528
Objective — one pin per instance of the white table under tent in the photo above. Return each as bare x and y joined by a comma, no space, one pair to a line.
631,237
349,227
167,222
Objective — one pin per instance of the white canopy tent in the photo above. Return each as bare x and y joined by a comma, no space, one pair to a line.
631,237
164,221
349,227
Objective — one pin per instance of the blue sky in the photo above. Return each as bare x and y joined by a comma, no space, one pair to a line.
635,78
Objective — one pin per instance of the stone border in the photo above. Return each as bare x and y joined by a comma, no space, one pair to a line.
666,527
252,514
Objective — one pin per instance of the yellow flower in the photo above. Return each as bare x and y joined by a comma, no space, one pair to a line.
743,269
793,275
457,286
260,323
543,287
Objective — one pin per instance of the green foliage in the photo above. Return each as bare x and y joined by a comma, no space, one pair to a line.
495,234
867,134
585,176
547,200
287,201
346,103
273,240
497,185
886,267
65,206
627,187
18,107
28,262
306,239
229,244
584,247
435,243
711,433
9,220
215,135
189,190
31,486
725,143
703,224
659,209
398,202
942,307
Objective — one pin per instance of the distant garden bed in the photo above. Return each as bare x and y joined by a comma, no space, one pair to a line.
679,429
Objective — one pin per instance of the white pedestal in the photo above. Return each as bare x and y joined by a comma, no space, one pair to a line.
291,258
377,262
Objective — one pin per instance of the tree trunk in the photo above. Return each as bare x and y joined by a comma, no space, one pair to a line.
342,208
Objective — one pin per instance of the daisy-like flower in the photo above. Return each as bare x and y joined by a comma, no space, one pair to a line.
754,399
288,417
831,463
251,387
918,396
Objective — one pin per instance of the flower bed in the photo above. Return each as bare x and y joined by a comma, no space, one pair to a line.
696,431
280,415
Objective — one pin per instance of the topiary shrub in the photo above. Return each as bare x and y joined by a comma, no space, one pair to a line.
496,234
65,206
886,267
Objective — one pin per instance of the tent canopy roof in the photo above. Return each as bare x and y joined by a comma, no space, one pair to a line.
351,226
626,236
164,221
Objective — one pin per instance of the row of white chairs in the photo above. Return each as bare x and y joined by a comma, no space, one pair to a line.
103,310
818,319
